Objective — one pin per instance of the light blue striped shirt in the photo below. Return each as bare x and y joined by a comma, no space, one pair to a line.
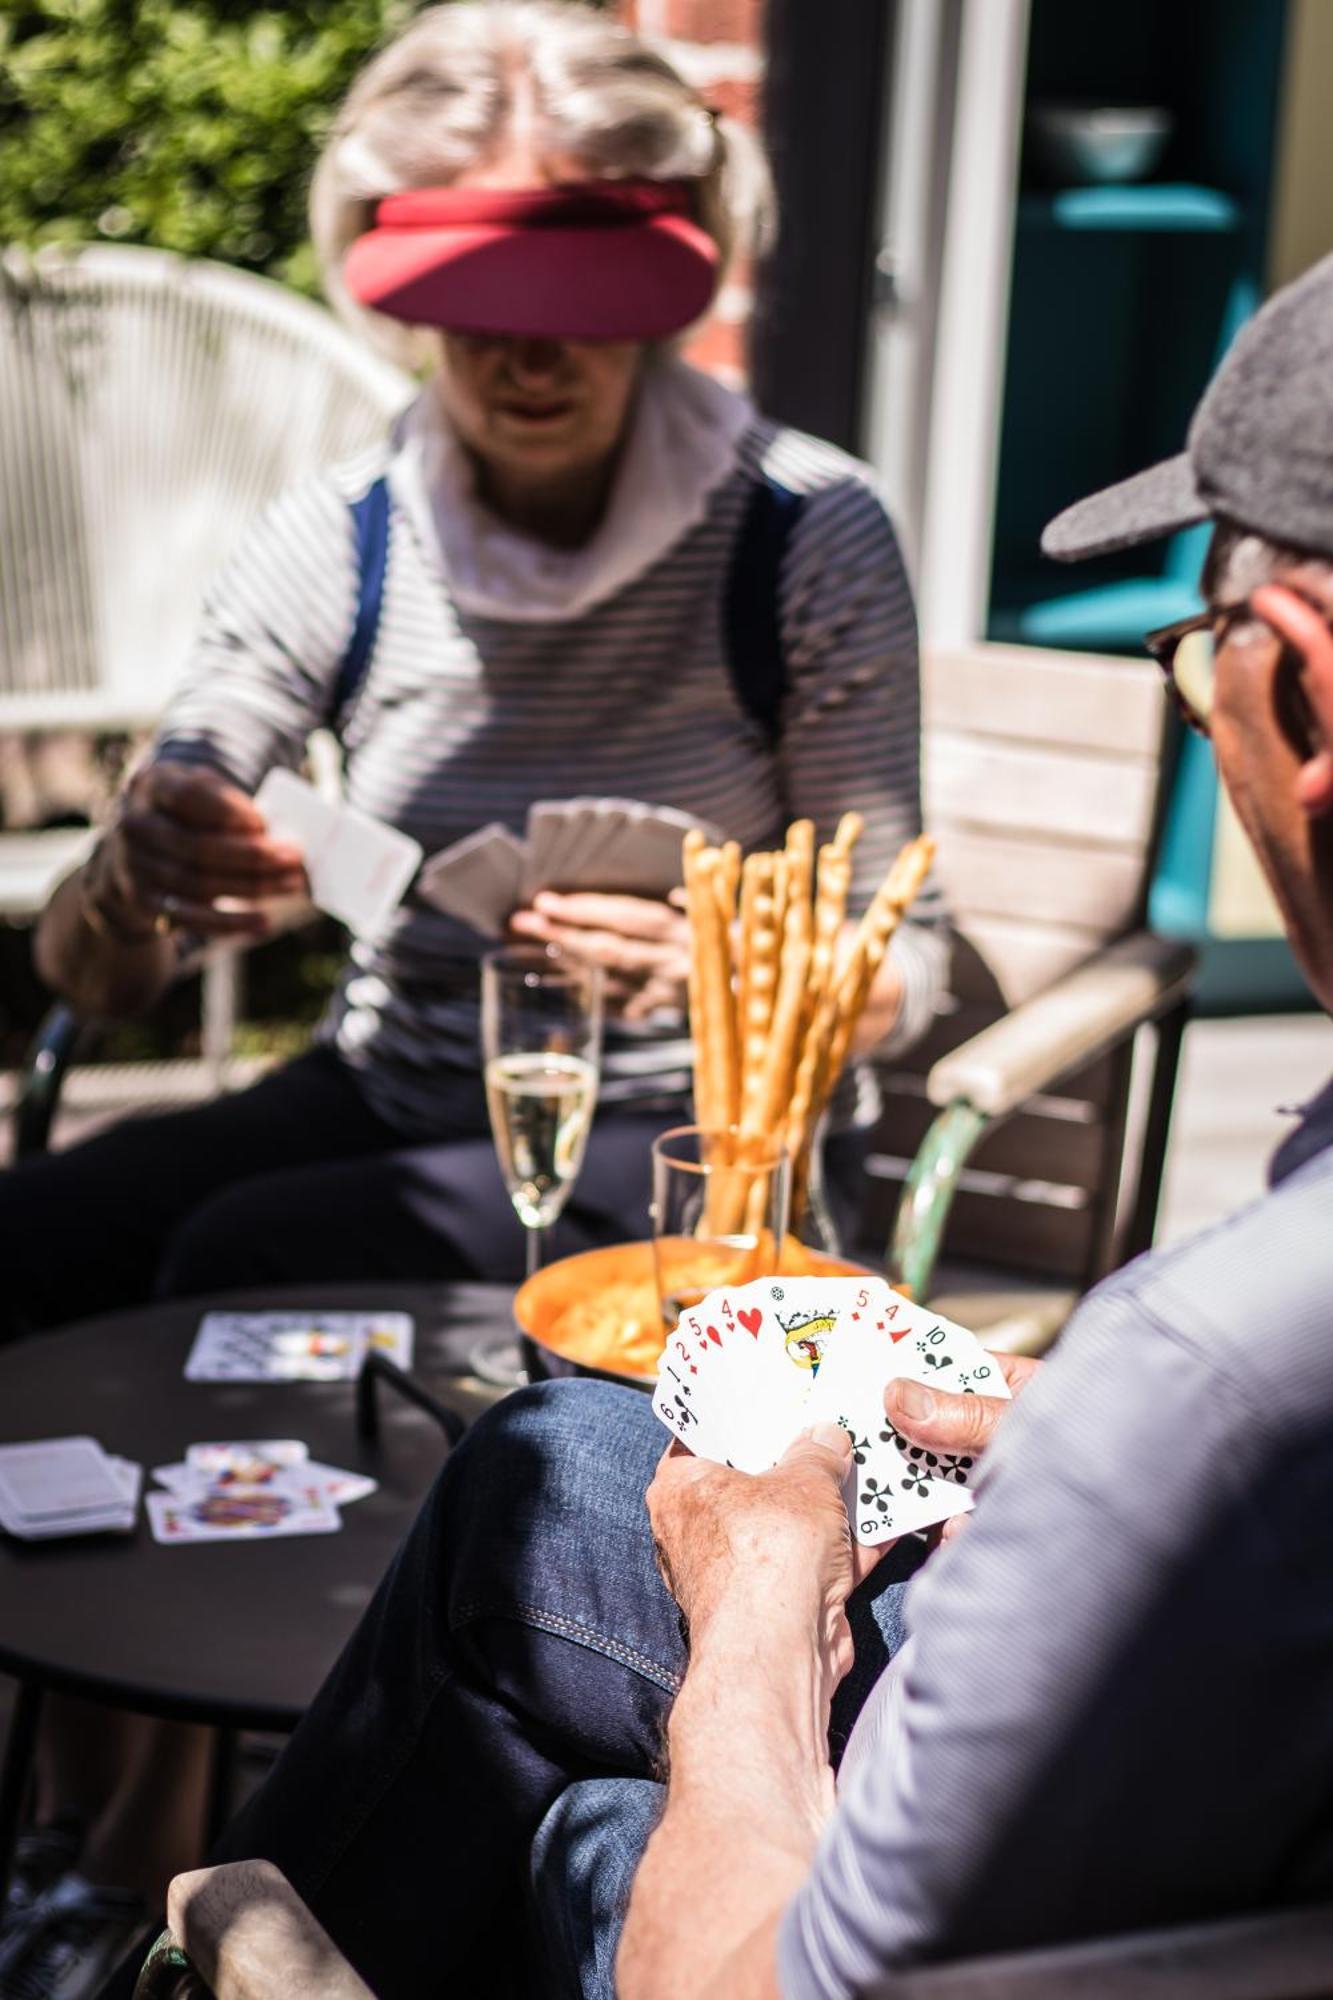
1115,1708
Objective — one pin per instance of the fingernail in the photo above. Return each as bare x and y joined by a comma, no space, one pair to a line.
832,1436
914,1398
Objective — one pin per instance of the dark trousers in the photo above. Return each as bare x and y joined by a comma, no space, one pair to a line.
522,1644
293,1181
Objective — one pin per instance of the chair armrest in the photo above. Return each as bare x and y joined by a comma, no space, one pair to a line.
1090,1010
990,1076
49,1055
252,1938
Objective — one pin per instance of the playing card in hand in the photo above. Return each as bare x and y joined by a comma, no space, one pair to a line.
748,1368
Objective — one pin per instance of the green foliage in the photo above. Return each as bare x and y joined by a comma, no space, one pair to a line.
190,126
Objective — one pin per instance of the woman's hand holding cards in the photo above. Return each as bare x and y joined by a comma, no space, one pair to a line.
642,946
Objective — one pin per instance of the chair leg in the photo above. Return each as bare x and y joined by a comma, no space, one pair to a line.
20,1751
221,982
221,1785
1142,1224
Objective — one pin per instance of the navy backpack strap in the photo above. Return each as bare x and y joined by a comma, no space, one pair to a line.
370,527
753,618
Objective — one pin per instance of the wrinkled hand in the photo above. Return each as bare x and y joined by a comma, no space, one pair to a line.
775,1544
643,947
962,1426
183,837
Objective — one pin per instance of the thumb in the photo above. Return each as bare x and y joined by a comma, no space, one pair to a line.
823,1446
960,1425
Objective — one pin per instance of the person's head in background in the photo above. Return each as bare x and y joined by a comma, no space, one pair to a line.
503,96
1255,670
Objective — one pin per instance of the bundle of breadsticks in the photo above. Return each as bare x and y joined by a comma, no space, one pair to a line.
773,1003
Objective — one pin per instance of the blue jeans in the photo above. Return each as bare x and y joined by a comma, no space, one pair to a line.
521,1655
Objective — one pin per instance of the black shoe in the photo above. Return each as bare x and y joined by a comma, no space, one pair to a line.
67,1942
41,1856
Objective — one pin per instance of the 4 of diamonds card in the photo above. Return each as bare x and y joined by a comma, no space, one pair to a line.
747,1369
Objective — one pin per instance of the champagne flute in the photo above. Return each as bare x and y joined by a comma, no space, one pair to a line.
541,1025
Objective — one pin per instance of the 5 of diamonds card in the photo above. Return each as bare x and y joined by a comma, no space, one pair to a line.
747,1369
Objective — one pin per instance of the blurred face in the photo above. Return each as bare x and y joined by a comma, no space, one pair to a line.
536,411
1272,730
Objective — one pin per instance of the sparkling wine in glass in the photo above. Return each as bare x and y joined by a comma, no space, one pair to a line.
541,1029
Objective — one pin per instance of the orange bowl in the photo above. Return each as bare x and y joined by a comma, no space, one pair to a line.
598,1314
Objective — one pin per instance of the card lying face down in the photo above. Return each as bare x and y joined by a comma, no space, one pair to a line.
610,846
747,1369
357,867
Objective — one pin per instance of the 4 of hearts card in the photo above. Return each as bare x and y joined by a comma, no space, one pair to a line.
748,1368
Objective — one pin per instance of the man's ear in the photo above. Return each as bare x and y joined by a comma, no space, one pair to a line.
1303,628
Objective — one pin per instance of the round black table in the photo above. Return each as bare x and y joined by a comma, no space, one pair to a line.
232,1634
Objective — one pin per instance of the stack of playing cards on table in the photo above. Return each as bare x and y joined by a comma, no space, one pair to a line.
611,846
250,1490
747,1370
66,1486
295,1346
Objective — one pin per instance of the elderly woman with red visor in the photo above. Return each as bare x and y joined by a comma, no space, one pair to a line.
578,568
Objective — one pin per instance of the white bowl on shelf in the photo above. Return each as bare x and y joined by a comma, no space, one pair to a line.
1102,145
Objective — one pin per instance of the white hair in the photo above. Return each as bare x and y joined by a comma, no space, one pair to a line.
465,76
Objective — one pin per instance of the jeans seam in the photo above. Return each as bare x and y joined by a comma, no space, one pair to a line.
561,1626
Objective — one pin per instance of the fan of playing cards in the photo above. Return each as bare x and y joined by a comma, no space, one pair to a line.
614,846
747,1369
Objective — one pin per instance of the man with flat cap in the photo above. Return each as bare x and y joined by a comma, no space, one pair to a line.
1114,1708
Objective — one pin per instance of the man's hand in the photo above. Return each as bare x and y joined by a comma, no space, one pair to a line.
643,947
962,1426
774,1544
183,837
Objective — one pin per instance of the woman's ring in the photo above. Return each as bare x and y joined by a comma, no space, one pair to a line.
168,910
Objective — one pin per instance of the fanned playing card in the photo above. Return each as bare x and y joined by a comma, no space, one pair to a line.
295,1346
749,1368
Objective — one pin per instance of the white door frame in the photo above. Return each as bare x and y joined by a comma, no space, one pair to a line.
938,349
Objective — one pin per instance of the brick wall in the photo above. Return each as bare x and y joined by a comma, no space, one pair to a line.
718,46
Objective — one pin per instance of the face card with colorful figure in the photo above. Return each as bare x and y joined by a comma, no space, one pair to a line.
236,1517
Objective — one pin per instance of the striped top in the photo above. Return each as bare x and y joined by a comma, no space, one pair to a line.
465,719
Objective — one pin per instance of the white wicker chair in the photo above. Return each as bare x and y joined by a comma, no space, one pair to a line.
149,407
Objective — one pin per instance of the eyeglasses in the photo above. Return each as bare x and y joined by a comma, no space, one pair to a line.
1187,654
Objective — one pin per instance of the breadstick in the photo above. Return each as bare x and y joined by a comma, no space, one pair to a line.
848,832
785,1027
692,848
834,880
800,852
877,926
761,945
719,1012
728,881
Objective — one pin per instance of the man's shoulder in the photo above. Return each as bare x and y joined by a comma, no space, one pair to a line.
1252,1295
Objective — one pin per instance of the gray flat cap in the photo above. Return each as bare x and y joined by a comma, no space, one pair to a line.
1260,447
